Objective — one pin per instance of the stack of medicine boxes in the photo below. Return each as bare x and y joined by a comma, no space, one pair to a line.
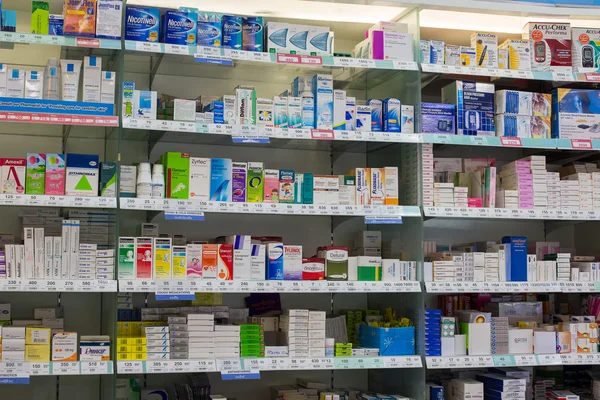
343,349
316,333
499,337
200,337
295,324
448,332
178,340
37,344
157,339
251,339
227,341
503,387
13,343
433,332
427,150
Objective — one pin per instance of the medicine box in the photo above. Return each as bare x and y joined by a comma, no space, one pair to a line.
519,54
575,114
486,49
474,103
438,118
550,45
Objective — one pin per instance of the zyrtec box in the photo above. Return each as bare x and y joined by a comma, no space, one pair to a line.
550,46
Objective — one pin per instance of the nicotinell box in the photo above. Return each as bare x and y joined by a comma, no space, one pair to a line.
294,112
407,115
246,106
377,189
286,186
142,24
162,258
313,269
391,115
143,258
474,103
179,27
271,186
336,263
252,33
486,48
108,20
339,109
255,182
363,118
292,263
376,115
177,166
323,93
82,175
210,29
274,261
239,176
350,113
220,179
232,32
550,45
127,258
200,178
519,54
586,50
35,173
80,18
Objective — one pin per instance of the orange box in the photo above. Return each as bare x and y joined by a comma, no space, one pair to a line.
209,261
80,18
225,262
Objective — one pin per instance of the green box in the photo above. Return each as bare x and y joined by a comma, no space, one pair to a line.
177,177
40,17
108,179
255,182
35,176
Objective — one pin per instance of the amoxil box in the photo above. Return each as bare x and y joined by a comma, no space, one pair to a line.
80,18
225,262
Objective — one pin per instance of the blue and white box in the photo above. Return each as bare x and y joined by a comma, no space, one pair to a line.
232,32
144,104
408,119
210,29
509,125
350,113
376,115
277,37
319,41
323,93
142,24
252,33
56,24
339,110
517,271
513,102
438,118
275,261
363,118
180,27
220,179
474,103
391,115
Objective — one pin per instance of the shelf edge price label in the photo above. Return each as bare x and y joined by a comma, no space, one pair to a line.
95,368
131,367
511,141
581,144
65,368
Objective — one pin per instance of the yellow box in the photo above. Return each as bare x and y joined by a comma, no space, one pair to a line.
135,329
122,341
123,328
519,54
123,356
37,335
138,349
37,352
138,356
123,349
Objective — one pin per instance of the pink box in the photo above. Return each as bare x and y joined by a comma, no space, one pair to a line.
55,174
475,202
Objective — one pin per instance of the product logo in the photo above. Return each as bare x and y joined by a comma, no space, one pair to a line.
184,22
93,163
143,18
275,252
232,28
337,255
548,27
520,340
292,250
313,267
97,352
252,28
201,161
208,31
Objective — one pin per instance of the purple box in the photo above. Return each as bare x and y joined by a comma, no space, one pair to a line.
438,118
239,173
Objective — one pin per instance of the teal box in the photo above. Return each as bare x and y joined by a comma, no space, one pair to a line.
108,179
307,189
389,341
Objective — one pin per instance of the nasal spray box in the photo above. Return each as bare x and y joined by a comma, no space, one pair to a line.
486,49
586,50
376,115
339,110
82,175
323,93
550,46
350,113
391,115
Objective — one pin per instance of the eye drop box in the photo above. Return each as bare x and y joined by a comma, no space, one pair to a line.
407,115
323,94
143,258
292,263
550,46
13,175
209,261
286,186
127,260
35,173
177,179
271,186
200,178
179,261
82,175
258,257
486,48
519,54
336,263
274,261
220,179
339,109
245,100
162,258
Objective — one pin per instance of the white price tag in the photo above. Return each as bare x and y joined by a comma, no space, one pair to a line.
154,367
525,360
65,368
259,56
39,369
228,364
148,46
563,76
130,367
205,365
178,49
94,367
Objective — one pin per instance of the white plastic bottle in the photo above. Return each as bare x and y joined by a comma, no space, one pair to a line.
158,182
52,80
144,181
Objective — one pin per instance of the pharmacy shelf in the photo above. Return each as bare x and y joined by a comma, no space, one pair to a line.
58,285
215,55
512,287
266,364
511,213
56,368
491,141
195,206
57,201
58,119
198,285
505,73
517,360
71,41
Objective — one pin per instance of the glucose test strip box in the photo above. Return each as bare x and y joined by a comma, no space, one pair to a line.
474,104
82,175
550,45
519,54
486,49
